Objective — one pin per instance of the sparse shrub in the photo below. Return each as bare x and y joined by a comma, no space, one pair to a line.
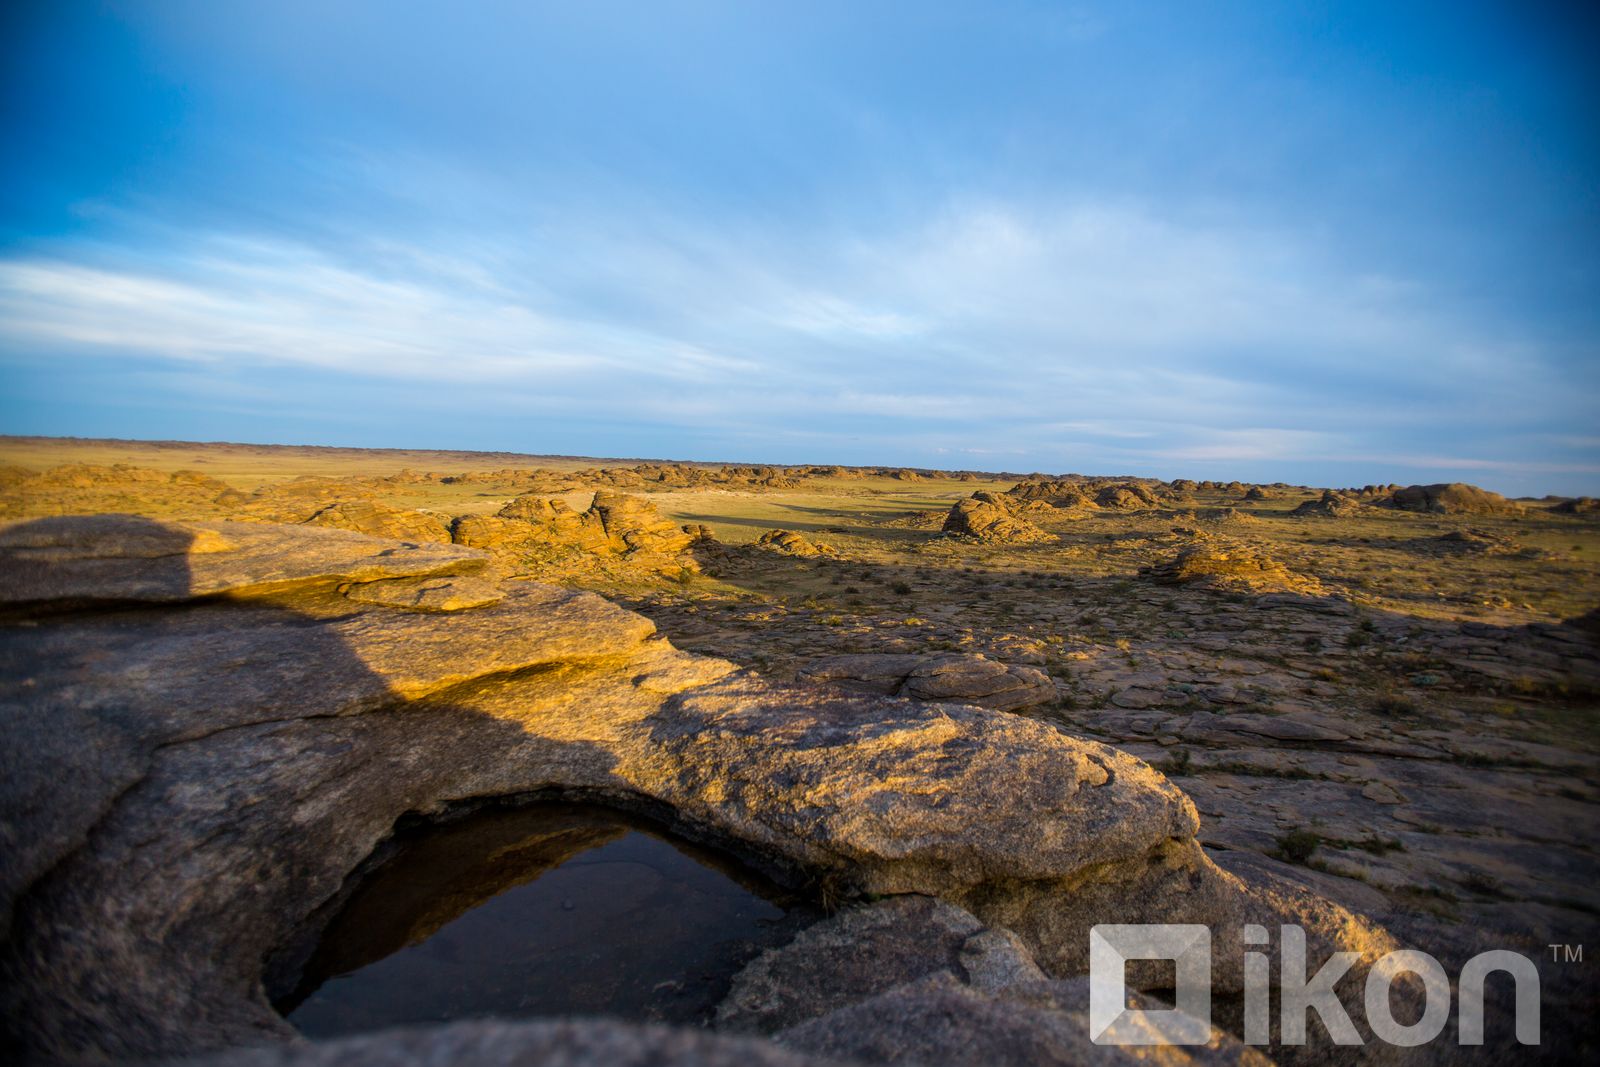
1298,846
1380,846
1181,762
1393,702
900,589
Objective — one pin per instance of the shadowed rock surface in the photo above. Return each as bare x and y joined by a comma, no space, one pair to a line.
566,1043
964,679
912,979
1451,498
1038,1024
111,559
1332,505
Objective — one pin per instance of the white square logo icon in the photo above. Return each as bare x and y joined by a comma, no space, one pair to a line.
1112,1022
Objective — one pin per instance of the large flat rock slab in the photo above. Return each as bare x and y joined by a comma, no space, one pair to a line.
80,560
897,788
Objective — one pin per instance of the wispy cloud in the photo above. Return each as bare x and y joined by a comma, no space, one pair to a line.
1066,333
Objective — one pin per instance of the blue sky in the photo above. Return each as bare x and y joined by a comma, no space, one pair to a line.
1324,243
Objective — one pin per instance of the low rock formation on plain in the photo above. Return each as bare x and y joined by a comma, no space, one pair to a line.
1125,496
1228,565
793,544
535,532
1332,505
1581,505
1452,498
988,517
381,520
1058,494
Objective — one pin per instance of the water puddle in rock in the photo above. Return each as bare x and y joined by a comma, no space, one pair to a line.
536,911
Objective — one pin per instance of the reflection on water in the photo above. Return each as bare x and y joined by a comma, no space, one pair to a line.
539,910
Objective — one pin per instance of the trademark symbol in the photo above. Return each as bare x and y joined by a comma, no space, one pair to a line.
1566,953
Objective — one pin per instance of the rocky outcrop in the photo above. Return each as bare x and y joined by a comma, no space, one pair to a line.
986,517
380,520
792,544
1581,505
299,499
1058,494
1468,543
1126,496
864,951
965,679
84,487
1331,505
116,559
920,980
187,783
1227,565
531,521
1452,498
550,535
636,526
432,593
1218,516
